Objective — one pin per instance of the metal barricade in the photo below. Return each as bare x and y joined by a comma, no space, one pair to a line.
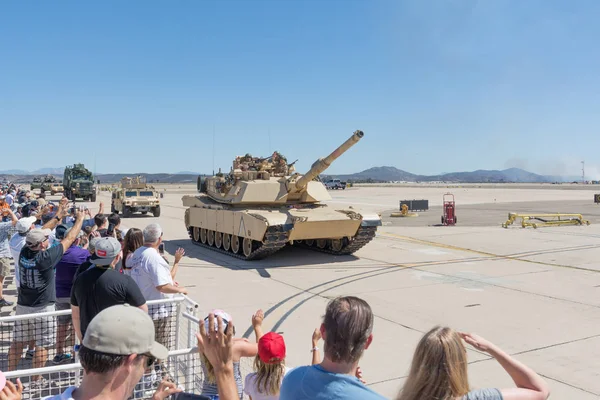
177,335
185,374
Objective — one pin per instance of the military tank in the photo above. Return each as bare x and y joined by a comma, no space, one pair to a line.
262,205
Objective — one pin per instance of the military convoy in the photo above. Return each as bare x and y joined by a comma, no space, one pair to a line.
47,183
135,195
263,205
78,182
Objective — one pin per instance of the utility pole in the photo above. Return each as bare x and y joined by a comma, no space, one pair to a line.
583,172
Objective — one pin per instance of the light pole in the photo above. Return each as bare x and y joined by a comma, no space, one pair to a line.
583,172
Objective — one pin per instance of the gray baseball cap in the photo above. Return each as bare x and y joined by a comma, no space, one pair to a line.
123,330
105,250
36,236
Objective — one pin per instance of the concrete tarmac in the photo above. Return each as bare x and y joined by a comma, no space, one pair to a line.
535,293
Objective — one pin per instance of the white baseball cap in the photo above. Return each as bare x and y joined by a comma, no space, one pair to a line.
24,224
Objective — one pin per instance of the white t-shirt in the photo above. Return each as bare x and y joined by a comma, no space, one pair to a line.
251,389
149,270
16,244
66,395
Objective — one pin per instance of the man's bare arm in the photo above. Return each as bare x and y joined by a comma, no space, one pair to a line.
76,322
70,238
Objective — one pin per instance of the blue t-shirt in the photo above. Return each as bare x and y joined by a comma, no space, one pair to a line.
313,382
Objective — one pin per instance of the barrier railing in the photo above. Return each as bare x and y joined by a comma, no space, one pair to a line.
177,335
178,369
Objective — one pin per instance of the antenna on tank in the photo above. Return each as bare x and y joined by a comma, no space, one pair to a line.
269,130
213,164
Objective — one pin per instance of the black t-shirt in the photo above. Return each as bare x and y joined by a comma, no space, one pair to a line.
99,288
36,270
82,268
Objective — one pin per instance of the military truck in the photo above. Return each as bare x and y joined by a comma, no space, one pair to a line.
135,195
78,182
54,187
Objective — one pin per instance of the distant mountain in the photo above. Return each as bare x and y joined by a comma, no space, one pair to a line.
150,178
387,174
51,171
187,173
381,174
42,171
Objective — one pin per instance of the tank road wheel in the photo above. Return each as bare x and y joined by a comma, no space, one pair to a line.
210,238
338,244
235,244
247,246
203,236
226,241
218,239
321,243
196,234
309,242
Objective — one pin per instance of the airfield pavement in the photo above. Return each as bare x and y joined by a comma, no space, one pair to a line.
534,292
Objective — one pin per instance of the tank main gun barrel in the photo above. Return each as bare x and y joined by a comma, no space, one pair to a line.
323,163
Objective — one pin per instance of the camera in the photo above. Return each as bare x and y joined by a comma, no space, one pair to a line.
111,230
161,248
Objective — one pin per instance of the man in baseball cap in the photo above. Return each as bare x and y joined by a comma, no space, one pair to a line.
37,294
118,347
101,286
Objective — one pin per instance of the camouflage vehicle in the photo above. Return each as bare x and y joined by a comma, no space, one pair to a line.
56,187
262,205
36,183
51,184
135,195
78,182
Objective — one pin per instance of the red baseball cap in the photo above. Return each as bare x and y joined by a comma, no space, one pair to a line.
271,348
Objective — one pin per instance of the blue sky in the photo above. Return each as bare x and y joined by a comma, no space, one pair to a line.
437,86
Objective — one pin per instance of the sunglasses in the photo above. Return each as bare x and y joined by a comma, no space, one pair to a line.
150,360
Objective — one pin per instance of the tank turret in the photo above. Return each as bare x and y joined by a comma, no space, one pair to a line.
261,205
269,180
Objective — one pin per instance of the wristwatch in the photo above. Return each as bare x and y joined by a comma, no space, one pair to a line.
57,218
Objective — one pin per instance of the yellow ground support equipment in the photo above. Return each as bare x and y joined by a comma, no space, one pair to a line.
556,219
403,212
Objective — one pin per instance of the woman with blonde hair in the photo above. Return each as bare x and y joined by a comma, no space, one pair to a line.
269,367
439,371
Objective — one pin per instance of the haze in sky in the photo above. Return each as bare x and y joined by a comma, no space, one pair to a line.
435,85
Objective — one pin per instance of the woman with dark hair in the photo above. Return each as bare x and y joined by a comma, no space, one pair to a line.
134,239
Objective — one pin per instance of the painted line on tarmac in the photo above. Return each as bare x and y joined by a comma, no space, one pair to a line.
484,253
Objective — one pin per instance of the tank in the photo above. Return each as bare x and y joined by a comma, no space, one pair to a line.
48,182
262,205
78,181
36,183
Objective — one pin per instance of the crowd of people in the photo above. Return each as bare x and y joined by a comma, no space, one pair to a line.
65,258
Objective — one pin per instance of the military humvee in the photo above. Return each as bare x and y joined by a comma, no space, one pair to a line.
135,195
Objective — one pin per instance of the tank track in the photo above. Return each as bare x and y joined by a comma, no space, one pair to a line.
274,241
363,236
